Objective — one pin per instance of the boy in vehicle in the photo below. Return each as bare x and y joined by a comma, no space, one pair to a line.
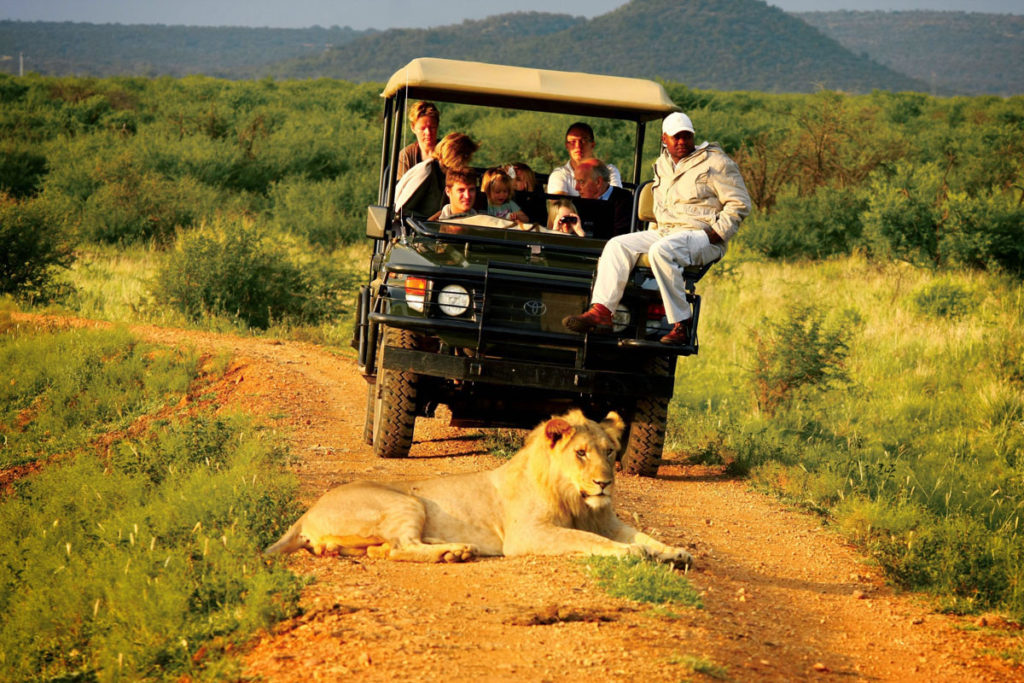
423,119
460,188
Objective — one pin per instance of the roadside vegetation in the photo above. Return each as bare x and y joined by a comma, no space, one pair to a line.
887,398
61,391
137,559
862,344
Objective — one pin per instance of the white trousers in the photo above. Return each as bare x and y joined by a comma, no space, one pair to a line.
668,255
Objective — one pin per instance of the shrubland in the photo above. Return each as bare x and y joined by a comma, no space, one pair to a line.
862,347
884,397
138,560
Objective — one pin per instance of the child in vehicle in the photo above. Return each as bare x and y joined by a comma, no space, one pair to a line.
525,192
497,185
562,217
460,188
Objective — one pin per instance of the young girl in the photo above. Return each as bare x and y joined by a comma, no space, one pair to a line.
497,185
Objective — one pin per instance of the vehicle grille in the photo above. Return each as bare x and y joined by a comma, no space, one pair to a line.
528,308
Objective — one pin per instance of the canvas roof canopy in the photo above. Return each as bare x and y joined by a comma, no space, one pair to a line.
517,87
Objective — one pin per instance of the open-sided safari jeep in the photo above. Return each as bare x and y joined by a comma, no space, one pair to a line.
469,316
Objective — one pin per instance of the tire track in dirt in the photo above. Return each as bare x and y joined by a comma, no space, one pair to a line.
784,599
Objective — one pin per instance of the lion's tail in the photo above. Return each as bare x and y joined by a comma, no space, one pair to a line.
291,541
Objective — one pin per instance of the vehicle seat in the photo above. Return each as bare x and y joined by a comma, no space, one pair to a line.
645,215
645,203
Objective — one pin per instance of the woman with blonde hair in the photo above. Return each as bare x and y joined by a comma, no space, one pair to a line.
420,192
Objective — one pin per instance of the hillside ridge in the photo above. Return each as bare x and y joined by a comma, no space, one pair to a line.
734,45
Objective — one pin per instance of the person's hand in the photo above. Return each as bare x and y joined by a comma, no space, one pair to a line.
713,236
570,225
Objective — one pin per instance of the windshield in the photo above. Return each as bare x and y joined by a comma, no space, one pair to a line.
481,228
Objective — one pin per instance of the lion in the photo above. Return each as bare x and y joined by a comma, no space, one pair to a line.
553,497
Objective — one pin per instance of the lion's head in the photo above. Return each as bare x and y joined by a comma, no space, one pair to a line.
576,457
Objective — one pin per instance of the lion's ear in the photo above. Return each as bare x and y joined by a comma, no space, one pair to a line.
613,425
555,429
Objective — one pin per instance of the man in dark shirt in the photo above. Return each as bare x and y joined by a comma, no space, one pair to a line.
605,210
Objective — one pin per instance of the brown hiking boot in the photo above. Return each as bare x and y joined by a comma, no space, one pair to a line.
597,316
679,334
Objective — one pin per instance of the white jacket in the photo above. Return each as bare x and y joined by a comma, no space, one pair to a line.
703,190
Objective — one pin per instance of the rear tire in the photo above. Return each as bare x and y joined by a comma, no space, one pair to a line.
646,440
394,415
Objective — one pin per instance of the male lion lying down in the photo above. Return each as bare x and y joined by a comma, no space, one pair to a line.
553,497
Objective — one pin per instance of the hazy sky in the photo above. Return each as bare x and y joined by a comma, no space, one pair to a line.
381,14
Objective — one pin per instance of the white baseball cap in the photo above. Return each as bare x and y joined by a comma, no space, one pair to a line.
676,122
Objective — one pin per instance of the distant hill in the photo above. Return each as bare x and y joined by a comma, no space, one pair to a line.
66,48
503,39
720,44
967,53
712,44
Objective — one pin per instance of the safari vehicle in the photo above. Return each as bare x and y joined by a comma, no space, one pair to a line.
467,315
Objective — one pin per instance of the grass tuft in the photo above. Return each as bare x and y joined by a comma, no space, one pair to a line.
640,580
703,666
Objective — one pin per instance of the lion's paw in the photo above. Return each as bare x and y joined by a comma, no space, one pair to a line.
677,557
459,553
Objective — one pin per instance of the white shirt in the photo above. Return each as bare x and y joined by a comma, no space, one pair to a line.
563,181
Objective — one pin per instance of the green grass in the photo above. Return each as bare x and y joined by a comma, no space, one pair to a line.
60,390
114,283
504,443
702,666
640,580
143,563
917,455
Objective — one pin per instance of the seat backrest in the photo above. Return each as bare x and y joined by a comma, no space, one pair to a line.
645,204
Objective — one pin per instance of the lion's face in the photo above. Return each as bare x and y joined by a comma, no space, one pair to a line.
585,452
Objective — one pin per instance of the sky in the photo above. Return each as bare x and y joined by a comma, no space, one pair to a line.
383,14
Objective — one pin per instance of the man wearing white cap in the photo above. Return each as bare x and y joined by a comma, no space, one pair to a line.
699,201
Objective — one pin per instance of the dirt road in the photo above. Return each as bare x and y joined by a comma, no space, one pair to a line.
784,599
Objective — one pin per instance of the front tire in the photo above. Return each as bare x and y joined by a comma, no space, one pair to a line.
394,415
646,440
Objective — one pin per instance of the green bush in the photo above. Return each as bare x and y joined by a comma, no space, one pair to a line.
634,578
796,352
240,272
321,212
34,250
944,298
903,216
144,207
22,169
984,231
821,225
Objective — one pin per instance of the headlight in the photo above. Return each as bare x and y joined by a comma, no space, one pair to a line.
453,300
